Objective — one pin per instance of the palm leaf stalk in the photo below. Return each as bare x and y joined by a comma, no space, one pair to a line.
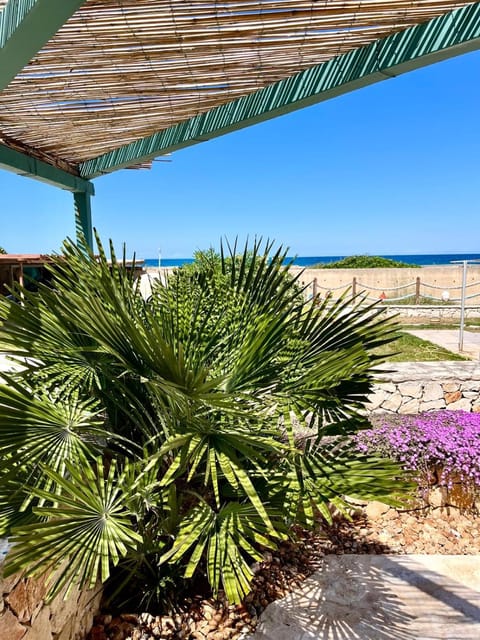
183,435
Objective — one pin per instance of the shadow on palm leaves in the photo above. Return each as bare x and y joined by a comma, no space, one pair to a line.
154,443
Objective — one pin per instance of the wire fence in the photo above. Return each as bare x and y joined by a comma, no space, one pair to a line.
416,292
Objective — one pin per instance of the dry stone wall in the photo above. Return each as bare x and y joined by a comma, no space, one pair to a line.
411,387
24,614
411,313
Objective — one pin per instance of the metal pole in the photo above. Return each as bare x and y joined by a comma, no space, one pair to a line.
462,307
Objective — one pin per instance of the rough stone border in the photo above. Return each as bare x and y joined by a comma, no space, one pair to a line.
412,387
24,614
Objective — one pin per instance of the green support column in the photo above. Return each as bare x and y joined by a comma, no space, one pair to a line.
82,190
83,218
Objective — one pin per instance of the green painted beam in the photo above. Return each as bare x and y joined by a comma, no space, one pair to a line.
449,35
25,165
83,219
11,16
25,27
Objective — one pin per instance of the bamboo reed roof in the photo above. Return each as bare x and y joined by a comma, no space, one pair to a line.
120,70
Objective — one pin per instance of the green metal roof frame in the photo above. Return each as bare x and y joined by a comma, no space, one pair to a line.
26,165
449,35
25,27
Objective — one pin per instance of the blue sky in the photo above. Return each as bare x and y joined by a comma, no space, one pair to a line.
389,169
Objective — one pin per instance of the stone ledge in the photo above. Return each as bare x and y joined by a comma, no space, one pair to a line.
444,370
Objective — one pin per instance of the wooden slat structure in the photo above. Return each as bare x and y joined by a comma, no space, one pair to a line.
13,267
28,268
107,84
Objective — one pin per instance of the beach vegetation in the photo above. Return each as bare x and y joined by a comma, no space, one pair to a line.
147,445
364,262
207,262
2,250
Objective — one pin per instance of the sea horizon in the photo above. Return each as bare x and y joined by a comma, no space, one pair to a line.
421,259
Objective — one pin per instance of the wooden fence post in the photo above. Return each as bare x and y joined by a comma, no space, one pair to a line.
315,289
417,290
354,286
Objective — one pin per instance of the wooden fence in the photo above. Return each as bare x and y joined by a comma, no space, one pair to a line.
415,292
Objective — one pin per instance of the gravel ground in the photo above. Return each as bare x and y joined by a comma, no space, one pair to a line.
375,529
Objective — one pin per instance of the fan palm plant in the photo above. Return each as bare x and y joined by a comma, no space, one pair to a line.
162,437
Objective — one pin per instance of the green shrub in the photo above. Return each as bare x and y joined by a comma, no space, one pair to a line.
364,262
156,443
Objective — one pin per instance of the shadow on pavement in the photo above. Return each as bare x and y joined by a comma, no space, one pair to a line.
380,597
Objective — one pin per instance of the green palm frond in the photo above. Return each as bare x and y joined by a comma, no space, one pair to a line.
44,428
14,495
84,531
220,455
323,473
40,431
229,538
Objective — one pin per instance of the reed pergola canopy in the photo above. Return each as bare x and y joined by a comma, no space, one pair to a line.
91,86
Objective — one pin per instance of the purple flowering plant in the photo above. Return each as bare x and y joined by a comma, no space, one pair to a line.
439,447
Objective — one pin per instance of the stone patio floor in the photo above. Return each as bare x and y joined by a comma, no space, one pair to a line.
380,597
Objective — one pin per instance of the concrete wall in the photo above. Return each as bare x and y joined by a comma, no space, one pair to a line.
376,281
24,615
412,387
411,313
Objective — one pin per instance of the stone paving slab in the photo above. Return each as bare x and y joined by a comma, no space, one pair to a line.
448,339
434,370
380,597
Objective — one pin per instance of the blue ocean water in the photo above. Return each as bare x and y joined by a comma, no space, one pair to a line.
426,259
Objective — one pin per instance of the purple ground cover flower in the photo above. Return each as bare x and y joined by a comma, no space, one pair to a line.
442,446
